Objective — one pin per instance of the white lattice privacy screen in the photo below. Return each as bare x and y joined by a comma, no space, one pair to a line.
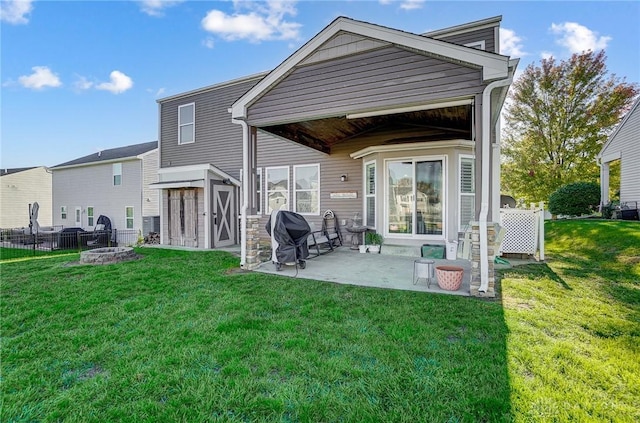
522,230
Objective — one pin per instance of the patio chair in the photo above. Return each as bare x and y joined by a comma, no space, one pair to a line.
331,228
318,242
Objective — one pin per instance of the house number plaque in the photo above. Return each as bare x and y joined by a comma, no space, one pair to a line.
349,194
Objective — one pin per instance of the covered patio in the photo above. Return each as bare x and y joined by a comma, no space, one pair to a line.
405,123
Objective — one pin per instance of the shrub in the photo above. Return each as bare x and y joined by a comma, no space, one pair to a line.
575,199
373,238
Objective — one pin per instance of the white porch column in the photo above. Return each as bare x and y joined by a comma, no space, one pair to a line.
604,184
248,208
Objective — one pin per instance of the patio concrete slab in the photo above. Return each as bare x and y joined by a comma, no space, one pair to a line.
347,266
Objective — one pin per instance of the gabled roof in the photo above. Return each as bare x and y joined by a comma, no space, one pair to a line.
463,28
620,125
10,171
110,155
494,66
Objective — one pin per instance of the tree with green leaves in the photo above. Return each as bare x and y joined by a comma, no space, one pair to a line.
558,116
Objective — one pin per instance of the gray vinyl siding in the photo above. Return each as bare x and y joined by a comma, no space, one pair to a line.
486,34
150,197
218,140
274,152
92,186
627,142
375,79
342,44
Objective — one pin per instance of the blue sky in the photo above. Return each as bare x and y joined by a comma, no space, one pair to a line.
79,77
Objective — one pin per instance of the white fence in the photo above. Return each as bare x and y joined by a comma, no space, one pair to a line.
524,231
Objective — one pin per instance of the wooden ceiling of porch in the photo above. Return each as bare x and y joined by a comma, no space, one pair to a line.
425,125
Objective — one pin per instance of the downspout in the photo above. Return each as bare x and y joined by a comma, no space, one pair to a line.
245,191
484,205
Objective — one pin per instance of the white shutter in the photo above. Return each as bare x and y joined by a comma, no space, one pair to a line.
467,198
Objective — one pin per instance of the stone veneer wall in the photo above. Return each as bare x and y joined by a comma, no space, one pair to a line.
253,243
475,260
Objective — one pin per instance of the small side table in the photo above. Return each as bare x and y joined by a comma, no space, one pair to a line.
423,269
356,235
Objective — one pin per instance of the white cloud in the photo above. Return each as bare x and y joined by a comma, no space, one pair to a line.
208,42
157,7
405,4
15,11
510,43
118,84
412,4
546,54
40,78
82,83
254,21
578,38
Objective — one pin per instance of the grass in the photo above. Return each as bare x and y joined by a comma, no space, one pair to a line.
574,325
183,336
7,254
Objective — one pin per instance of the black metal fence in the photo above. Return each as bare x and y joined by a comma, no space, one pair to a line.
16,243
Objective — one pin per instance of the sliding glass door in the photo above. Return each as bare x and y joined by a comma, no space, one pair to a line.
415,197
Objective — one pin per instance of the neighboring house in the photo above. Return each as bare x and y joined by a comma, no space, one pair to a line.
395,126
623,145
114,183
18,189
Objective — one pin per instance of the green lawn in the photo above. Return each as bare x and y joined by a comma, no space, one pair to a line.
180,336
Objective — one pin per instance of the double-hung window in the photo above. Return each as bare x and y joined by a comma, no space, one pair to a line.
307,189
90,216
63,212
129,217
187,123
117,174
277,188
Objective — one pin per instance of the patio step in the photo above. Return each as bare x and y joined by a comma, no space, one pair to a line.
400,250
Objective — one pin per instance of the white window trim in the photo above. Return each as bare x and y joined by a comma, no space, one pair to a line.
295,191
63,212
92,216
266,185
477,44
460,193
259,189
445,214
114,174
133,214
367,195
180,125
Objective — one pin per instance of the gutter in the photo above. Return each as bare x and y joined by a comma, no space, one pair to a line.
484,205
245,190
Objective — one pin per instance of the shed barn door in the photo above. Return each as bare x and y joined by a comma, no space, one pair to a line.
190,218
175,217
183,217
224,217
